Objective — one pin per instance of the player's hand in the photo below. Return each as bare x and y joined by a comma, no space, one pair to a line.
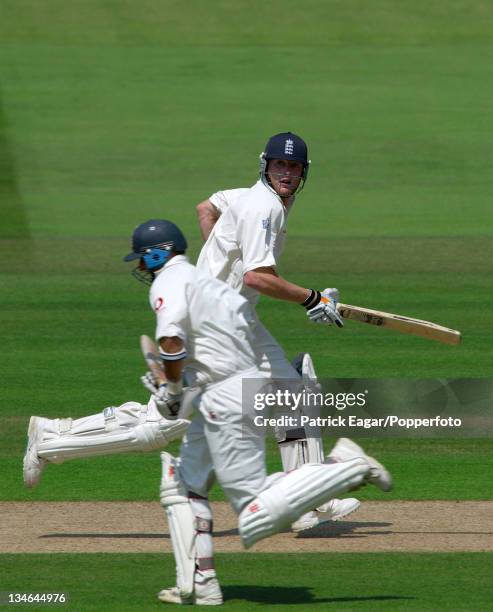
326,310
168,403
149,382
331,293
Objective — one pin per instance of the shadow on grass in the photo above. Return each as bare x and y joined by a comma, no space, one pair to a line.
294,595
109,536
327,530
333,529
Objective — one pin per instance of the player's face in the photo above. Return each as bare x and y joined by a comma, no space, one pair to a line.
285,176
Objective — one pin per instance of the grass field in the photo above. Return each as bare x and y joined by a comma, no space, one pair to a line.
266,581
113,112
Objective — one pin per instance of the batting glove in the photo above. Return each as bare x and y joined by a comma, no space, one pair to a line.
149,383
326,309
168,399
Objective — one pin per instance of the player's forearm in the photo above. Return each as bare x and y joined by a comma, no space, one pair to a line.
207,215
267,282
172,369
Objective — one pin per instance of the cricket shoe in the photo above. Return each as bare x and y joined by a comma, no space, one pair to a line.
333,510
336,509
33,464
172,595
345,450
207,593
308,521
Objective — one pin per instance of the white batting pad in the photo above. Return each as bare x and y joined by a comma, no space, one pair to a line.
308,374
310,449
296,493
315,446
181,521
102,434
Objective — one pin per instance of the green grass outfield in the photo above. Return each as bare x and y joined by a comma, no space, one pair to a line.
264,581
113,112
422,470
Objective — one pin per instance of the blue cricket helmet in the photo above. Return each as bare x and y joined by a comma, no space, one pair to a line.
154,242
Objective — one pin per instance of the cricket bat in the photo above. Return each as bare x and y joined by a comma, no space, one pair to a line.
152,359
405,325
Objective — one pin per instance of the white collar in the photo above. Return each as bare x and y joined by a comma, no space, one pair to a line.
291,200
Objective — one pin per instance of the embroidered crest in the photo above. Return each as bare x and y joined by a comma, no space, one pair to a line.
289,147
266,223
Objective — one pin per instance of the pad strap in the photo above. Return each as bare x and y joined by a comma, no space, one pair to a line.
294,434
64,426
110,420
205,563
203,525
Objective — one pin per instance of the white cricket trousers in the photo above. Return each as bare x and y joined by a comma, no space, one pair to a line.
222,442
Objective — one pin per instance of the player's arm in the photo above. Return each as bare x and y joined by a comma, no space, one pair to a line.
207,215
256,233
320,306
265,280
168,397
172,351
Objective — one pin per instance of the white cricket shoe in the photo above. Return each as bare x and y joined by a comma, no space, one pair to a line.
207,593
307,521
34,465
336,509
172,595
345,450
333,510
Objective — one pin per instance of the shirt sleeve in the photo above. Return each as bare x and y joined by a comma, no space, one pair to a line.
222,200
219,200
171,309
257,229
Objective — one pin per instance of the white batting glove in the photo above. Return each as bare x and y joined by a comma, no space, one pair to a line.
332,293
168,399
149,382
326,310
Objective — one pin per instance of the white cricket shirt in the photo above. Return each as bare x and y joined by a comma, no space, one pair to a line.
249,234
212,320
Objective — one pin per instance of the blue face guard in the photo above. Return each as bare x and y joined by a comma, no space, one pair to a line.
154,259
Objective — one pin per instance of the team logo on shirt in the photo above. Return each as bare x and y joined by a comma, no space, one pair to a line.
289,147
266,223
158,304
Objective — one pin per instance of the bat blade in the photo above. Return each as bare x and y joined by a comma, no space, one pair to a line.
152,359
405,325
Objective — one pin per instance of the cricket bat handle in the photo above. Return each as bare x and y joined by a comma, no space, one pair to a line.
153,360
